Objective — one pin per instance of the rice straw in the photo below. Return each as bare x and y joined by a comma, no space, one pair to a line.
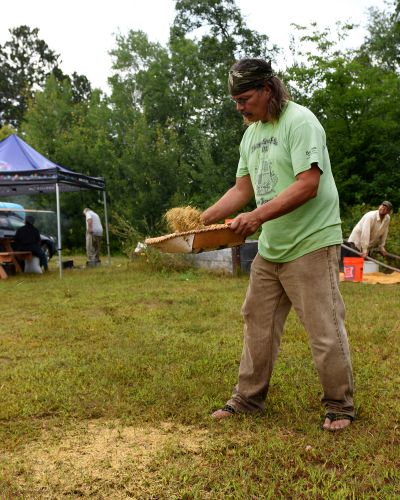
181,219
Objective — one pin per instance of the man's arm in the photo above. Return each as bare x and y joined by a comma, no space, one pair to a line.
303,189
234,199
383,241
365,236
89,225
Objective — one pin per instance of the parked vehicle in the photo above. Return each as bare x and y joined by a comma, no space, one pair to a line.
12,216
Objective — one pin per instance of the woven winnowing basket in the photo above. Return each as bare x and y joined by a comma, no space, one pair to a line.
212,237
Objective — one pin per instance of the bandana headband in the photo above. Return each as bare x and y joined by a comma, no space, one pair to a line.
240,81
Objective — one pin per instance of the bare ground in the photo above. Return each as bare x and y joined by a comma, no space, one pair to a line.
99,459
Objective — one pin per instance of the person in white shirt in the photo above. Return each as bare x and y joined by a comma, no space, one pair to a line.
371,231
94,234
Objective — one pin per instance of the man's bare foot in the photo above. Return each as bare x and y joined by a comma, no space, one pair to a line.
336,422
217,415
226,411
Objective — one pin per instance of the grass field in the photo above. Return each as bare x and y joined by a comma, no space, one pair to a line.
108,378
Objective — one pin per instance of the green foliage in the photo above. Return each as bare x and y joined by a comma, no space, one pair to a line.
358,103
25,63
5,131
128,236
393,240
183,133
382,43
75,135
49,118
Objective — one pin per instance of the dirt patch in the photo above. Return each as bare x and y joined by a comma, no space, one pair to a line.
100,458
5,360
381,278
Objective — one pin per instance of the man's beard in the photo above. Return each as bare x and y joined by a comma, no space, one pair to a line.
248,119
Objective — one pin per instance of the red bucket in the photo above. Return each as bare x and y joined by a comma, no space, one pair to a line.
353,268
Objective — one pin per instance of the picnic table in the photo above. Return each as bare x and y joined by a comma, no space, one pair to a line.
10,256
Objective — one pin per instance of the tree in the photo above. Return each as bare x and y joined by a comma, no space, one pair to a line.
75,135
223,38
358,104
177,97
81,87
25,63
382,44
5,131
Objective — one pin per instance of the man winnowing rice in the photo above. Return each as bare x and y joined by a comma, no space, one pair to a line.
284,163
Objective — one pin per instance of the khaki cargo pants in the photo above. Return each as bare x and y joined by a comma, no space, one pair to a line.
93,244
311,284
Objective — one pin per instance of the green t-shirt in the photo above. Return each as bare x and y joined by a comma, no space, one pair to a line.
273,154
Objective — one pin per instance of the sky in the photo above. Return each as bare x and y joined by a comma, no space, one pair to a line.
83,31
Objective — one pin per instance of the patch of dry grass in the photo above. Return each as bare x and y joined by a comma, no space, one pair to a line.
96,457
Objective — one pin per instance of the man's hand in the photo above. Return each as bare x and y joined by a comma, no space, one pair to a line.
245,224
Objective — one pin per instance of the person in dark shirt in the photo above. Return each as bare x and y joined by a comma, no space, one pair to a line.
27,238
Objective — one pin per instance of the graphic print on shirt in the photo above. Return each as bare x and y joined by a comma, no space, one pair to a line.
312,151
265,176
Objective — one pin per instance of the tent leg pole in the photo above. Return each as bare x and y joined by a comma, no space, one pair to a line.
59,230
106,221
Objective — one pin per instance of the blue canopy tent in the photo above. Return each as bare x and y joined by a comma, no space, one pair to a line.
24,171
